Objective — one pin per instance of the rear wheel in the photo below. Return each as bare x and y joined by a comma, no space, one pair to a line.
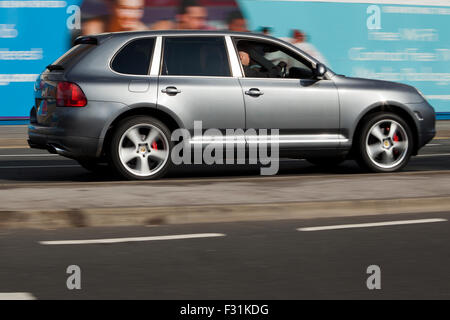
140,148
385,143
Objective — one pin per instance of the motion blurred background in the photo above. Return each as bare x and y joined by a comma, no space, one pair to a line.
398,40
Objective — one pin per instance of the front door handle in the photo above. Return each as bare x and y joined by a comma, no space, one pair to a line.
171,90
254,92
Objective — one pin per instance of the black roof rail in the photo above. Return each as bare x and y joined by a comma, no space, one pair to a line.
86,40
52,67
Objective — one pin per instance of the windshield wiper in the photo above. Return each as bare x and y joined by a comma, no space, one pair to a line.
52,67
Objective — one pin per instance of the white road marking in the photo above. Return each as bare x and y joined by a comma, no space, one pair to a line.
30,155
16,296
369,225
135,239
432,144
434,155
36,167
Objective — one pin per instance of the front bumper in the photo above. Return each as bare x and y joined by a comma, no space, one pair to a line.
425,119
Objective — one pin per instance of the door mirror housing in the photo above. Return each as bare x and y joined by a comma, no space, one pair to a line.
320,70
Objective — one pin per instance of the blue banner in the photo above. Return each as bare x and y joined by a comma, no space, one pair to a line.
398,40
33,34
372,39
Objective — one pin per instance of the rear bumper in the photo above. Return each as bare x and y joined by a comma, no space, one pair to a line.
73,132
68,146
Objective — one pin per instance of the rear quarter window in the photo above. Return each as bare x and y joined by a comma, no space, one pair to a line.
73,55
134,58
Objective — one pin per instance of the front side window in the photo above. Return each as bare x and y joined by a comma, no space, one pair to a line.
195,56
262,59
135,57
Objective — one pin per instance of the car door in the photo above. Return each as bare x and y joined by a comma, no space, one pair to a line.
288,97
196,83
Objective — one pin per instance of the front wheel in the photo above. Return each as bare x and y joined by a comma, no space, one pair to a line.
140,148
385,143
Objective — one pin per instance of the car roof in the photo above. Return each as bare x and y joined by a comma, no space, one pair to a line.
131,34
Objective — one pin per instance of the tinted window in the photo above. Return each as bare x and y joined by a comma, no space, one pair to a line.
135,57
268,60
195,56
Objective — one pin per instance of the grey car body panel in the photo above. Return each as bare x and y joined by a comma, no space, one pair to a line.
291,105
216,101
318,114
357,97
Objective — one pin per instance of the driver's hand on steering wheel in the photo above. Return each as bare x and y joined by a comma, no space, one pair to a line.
283,68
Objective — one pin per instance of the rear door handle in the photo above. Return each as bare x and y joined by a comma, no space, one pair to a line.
171,90
254,92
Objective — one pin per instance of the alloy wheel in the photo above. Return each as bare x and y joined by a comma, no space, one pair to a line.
387,143
143,150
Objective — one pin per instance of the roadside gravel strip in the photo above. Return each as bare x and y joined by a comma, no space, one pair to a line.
178,202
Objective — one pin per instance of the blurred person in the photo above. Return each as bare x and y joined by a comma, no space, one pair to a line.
236,22
191,16
299,40
265,30
125,15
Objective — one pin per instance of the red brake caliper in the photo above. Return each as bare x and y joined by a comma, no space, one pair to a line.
154,145
395,137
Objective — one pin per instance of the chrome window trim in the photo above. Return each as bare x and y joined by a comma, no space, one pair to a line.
197,77
236,68
156,61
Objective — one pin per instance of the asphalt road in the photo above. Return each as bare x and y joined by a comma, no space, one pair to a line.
30,165
258,260
20,164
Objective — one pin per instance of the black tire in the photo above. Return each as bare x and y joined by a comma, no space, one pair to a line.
362,154
326,162
123,126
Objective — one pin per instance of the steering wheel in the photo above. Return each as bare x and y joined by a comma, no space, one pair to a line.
283,66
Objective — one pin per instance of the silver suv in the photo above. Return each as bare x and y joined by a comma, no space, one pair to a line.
117,97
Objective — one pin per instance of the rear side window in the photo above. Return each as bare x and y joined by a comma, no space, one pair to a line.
195,56
135,57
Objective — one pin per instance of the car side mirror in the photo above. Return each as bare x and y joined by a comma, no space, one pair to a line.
320,70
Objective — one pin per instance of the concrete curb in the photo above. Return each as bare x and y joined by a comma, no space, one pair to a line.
127,216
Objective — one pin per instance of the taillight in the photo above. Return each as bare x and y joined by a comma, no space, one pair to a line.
69,94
